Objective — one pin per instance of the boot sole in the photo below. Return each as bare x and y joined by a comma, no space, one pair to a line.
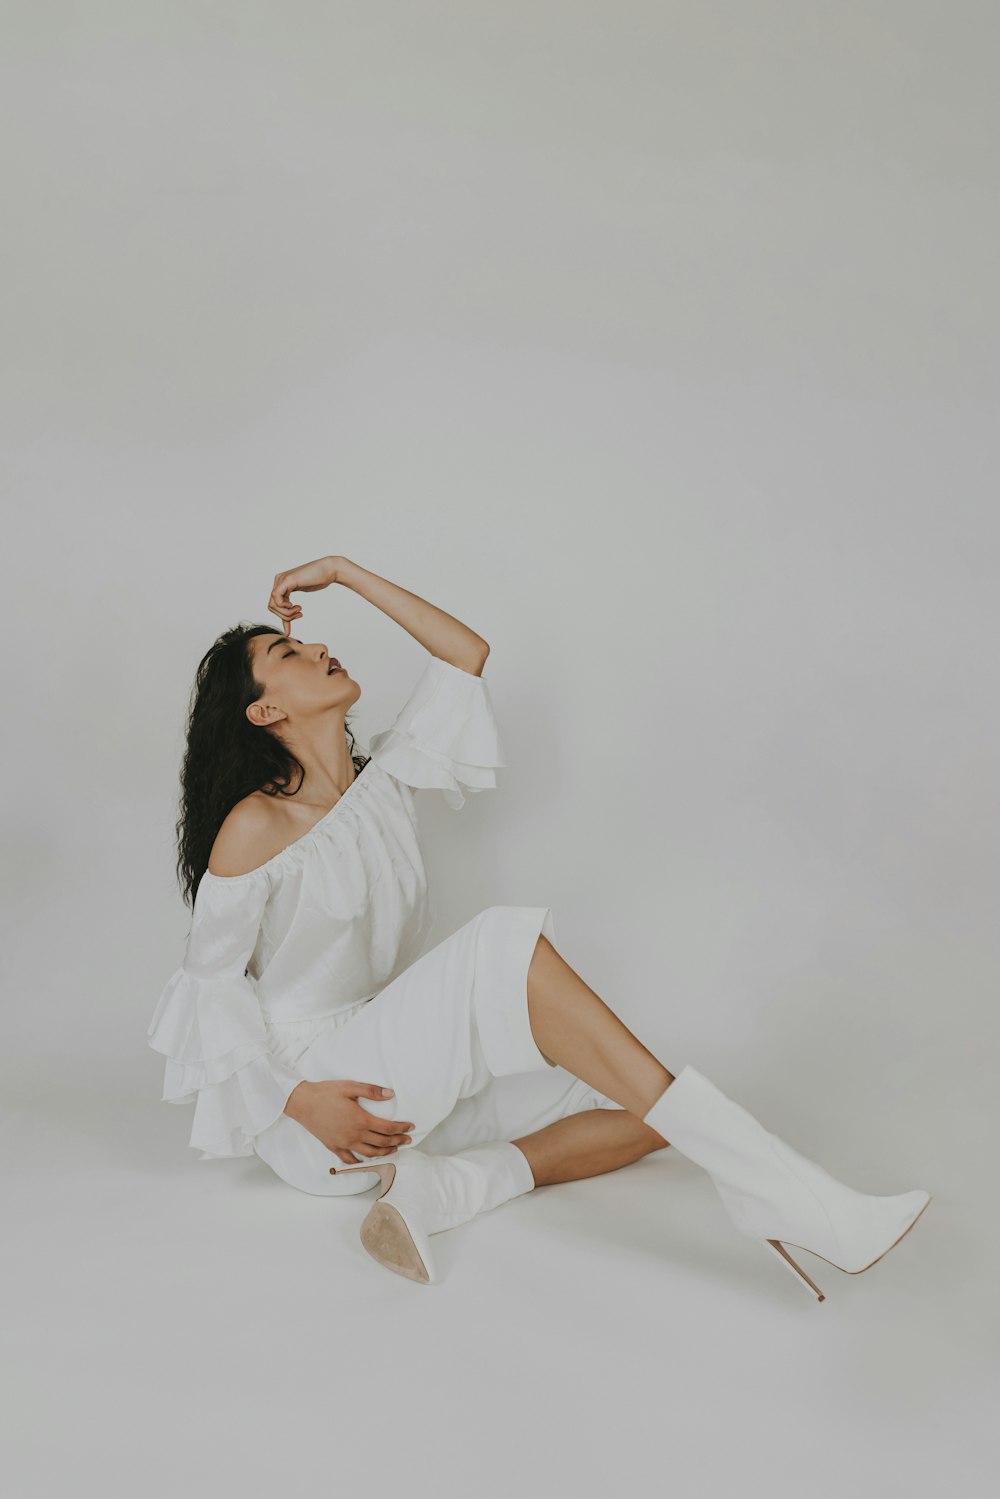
387,1239
384,1232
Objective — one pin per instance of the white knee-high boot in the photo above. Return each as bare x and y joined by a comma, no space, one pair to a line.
425,1194
771,1191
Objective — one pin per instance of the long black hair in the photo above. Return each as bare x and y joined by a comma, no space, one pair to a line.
226,757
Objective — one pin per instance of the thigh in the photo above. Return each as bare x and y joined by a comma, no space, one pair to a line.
448,1026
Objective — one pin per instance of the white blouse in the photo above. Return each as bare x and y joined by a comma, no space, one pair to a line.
276,955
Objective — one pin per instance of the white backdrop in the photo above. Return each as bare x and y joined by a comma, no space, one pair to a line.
658,343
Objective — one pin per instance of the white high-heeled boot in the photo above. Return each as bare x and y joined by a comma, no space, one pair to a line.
772,1192
425,1194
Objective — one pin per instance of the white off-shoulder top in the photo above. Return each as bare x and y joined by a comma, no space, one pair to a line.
276,955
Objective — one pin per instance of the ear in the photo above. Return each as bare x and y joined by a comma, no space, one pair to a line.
260,715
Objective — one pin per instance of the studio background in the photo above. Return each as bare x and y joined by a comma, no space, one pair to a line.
657,343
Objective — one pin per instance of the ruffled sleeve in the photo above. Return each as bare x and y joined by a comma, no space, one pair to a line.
209,1025
445,735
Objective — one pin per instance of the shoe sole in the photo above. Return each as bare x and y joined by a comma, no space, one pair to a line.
387,1239
384,1232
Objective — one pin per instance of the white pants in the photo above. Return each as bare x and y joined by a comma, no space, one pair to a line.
451,1036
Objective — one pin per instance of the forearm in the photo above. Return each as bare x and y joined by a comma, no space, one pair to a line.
437,631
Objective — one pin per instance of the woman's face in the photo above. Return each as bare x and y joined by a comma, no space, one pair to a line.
299,680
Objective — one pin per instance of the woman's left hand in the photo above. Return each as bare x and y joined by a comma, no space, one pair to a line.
305,579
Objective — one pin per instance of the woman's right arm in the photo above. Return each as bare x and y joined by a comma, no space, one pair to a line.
209,1026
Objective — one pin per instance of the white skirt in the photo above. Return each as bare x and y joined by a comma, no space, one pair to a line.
451,1036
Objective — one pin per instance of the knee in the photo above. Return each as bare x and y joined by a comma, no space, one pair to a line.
513,917
503,920
497,918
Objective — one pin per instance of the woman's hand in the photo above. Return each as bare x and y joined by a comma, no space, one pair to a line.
305,579
330,1111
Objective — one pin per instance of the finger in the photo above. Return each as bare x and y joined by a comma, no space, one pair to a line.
386,1143
366,1090
386,1126
345,1156
287,611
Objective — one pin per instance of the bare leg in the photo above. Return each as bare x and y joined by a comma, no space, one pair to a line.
587,1144
575,1028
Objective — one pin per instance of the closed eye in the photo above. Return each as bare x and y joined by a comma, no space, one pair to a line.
275,643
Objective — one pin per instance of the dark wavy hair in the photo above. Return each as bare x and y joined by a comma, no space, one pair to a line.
226,757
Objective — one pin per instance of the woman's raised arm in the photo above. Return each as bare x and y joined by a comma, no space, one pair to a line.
437,631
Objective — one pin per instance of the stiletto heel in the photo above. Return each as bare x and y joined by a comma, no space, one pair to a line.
796,1270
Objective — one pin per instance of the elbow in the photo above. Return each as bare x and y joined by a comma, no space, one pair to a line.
471,664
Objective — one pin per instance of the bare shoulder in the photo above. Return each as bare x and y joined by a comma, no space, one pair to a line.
246,838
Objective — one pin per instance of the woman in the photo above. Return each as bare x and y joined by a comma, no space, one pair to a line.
305,973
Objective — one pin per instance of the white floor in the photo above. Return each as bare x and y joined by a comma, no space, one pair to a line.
178,1327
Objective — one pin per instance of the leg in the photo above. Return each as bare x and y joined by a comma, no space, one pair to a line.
425,1194
575,1028
587,1144
452,1028
566,1129
770,1191
456,1026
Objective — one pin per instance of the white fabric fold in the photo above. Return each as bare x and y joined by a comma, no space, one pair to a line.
209,1025
445,735
228,1115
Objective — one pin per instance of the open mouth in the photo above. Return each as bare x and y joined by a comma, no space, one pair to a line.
333,668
